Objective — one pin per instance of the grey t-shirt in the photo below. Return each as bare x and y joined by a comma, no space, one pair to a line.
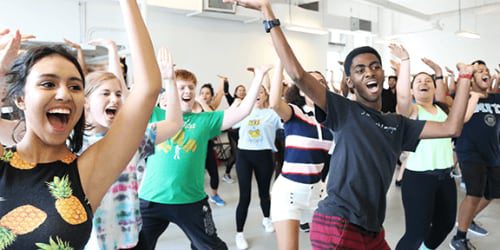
368,144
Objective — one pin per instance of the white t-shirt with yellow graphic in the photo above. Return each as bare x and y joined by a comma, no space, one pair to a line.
258,130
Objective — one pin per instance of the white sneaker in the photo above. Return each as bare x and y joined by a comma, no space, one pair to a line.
241,242
268,225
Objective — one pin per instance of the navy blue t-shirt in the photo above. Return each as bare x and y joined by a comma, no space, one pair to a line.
480,138
368,144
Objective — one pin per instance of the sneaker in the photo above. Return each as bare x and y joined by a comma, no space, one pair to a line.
227,178
241,242
268,225
462,185
304,227
461,244
217,200
477,230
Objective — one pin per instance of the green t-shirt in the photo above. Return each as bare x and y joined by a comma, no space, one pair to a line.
175,173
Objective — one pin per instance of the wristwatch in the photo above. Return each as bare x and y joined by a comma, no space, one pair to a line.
269,24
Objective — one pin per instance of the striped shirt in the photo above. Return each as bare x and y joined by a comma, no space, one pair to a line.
308,146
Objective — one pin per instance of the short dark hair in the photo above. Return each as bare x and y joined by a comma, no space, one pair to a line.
480,62
292,95
355,52
209,87
393,77
16,82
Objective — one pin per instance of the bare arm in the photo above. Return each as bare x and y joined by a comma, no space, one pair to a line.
203,104
220,93
114,65
173,119
237,113
441,87
8,51
275,101
471,107
453,125
404,97
451,83
307,83
79,54
101,164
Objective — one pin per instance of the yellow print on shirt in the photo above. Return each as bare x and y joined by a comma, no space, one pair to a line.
255,132
177,141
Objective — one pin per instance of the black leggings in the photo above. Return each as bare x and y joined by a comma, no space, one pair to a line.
430,205
260,161
211,166
233,136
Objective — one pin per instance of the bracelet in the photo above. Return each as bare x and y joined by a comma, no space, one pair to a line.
406,59
438,78
466,76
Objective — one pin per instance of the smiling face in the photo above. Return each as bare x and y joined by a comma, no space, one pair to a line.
482,78
206,94
423,88
53,99
186,91
240,92
103,103
262,98
367,78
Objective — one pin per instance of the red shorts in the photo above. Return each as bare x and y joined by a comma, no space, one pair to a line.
332,232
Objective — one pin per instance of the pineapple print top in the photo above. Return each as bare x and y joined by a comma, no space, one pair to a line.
42,206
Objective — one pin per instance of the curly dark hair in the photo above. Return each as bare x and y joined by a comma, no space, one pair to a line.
16,82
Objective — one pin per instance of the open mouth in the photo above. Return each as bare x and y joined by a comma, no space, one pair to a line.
111,112
58,118
485,79
186,99
372,86
424,89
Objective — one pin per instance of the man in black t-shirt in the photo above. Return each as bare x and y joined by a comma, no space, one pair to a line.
478,152
368,142
389,96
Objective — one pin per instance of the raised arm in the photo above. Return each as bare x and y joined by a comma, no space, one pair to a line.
306,82
441,94
173,118
79,54
275,101
100,165
9,47
237,113
114,65
451,83
453,125
219,94
404,102
229,97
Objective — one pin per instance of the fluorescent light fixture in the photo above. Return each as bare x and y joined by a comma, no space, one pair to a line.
467,34
310,30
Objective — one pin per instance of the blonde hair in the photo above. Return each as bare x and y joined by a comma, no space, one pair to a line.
95,79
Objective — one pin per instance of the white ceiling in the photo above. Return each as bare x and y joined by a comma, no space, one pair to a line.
431,7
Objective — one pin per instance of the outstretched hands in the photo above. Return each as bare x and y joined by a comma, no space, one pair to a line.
434,66
6,35
263,69
9,51
166,64
399,52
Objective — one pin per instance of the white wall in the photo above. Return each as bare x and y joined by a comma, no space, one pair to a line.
205,46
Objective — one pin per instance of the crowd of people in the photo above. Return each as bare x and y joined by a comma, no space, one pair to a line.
89,163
